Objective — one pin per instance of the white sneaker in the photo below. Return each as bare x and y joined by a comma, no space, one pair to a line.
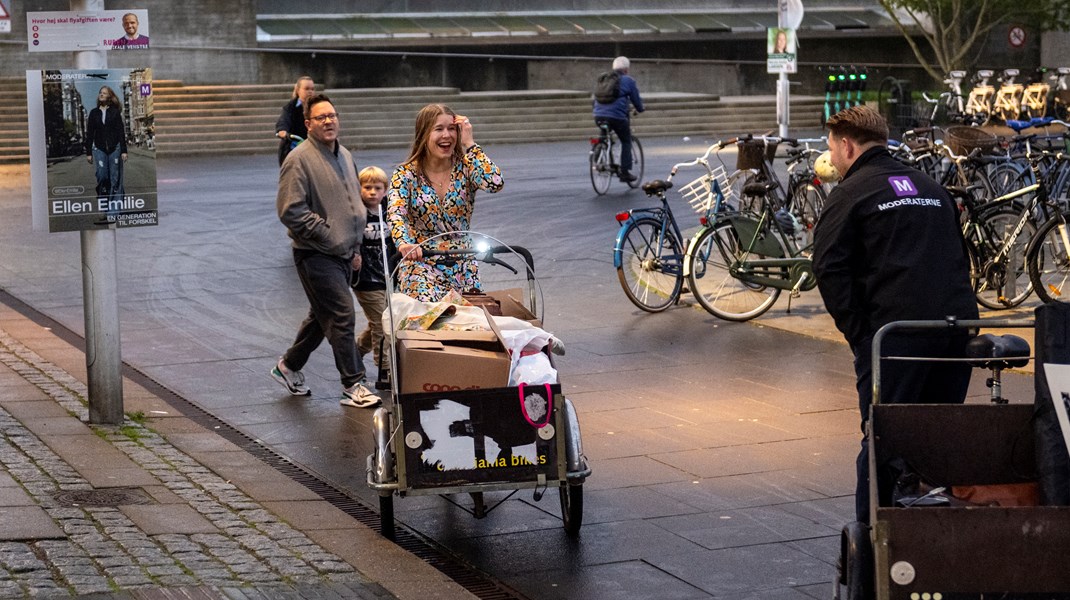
359,396
294,381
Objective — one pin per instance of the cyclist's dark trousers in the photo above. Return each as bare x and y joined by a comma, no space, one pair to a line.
331,314
623,129
904,382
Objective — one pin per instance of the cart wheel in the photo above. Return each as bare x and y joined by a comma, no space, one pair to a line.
856,561
386,516
572,508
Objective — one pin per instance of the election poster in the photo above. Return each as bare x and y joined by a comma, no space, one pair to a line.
74,31
780,50
92,148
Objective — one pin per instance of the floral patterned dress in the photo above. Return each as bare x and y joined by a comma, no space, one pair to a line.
416,214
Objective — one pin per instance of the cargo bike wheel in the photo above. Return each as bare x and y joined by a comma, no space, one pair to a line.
571,507
855,566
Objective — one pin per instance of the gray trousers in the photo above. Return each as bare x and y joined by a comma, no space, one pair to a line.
330,315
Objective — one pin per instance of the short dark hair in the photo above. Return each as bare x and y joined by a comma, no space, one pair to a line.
860,123
314,100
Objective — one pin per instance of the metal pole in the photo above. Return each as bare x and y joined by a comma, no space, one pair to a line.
100,285
783,104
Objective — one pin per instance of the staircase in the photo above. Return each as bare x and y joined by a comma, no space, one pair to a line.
241,119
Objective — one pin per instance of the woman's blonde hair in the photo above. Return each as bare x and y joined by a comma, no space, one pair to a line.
425,123
297,85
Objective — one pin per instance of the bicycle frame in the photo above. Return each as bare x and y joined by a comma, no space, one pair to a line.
663,214
769,271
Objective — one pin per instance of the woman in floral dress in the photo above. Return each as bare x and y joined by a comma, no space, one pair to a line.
434,192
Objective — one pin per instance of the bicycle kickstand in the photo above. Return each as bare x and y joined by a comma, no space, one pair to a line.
795,291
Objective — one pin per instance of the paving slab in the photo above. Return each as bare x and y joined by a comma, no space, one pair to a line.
163,519
27,523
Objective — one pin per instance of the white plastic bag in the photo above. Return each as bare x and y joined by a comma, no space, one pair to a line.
525,343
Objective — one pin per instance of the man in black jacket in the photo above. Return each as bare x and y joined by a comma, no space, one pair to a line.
888,247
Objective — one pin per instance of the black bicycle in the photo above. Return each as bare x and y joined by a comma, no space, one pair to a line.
605,160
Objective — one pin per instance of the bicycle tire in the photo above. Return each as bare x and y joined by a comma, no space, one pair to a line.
1060,110
713,256
637,163
1049,262
1060,190
651,278
999,287
600,170
807,202
1008,176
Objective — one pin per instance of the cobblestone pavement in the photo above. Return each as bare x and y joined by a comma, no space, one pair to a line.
245,551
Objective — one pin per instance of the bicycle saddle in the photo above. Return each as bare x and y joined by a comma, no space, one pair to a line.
656,187
1018,126
992,351
758,188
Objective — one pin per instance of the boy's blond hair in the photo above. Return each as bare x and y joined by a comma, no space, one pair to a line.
374,175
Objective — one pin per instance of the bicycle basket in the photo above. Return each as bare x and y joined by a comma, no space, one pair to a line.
963,139
753,153
699,193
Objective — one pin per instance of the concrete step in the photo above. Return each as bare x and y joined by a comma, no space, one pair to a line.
241,119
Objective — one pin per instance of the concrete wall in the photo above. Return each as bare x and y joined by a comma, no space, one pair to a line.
1055,49
181,34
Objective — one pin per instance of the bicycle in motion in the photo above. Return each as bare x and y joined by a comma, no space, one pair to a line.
605,160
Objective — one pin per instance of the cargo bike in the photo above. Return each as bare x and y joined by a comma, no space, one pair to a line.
934,534
443,439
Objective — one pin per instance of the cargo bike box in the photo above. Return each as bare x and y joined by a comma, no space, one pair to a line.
454,426
944,541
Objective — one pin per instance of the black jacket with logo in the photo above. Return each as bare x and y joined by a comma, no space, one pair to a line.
888,247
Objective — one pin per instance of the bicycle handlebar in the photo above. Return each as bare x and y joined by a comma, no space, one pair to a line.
487,255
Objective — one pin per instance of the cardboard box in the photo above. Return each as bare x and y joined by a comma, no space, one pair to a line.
512,305
441,361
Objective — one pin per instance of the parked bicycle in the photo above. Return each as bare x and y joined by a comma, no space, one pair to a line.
979,102
1007,103
739,263
605,160
1060,93
648,252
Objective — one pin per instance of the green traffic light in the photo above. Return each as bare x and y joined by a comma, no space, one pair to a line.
863,75
841,77
832,78
852,76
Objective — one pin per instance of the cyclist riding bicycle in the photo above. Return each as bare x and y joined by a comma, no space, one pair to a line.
611,107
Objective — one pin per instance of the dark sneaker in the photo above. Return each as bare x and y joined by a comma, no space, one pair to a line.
293,381
359,396
627,177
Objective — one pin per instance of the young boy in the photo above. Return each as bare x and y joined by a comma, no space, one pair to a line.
369,283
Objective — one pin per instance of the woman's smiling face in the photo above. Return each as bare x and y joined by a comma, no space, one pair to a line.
443,137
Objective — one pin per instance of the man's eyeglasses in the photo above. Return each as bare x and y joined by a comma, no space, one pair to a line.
325,118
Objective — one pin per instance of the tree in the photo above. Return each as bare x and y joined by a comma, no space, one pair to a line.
953,28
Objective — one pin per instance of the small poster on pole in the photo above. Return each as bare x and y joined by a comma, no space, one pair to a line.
780,50
74,31
92,148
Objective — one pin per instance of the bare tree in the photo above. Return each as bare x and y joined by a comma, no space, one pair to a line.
954,28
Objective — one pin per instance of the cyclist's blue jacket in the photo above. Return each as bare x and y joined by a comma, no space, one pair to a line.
619,109
888,247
